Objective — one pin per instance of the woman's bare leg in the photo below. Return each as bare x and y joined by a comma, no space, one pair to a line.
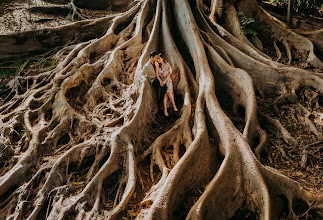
165,104
171,97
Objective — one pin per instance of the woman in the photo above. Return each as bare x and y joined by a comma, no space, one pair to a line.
163,71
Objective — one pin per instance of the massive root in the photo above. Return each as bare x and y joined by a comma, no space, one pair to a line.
72,139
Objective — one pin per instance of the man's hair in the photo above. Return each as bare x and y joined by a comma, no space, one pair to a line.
153,53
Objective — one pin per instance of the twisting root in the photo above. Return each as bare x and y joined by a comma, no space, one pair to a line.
279,54
289,52
74,138
76,12
216,10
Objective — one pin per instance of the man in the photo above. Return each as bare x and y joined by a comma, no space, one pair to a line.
150,73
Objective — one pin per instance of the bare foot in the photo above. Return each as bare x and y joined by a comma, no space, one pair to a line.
175,109
166,114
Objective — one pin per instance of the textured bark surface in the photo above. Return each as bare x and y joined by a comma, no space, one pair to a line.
74,139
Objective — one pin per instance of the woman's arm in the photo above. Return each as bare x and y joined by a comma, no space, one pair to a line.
157,75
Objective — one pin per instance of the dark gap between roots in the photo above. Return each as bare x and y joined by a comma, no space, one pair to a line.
143,185
105,82
100,100
27,209
46,206
312,214
283,201
11,95
63,140
6,119
105,158
78,170
71,215
16,134
244,213
5,91
75,125
53,123
43,83
39,94
94,56
299,206
167,154
75,96
187,203
110,186
6,195
318,52
22,86
35,104
30,82
40,180
227,102
123,25
182,150
48,114
33,118
13,106
157,174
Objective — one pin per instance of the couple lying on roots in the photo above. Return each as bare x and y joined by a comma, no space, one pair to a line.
157,71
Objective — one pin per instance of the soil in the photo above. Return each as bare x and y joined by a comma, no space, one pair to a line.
25,15
311,177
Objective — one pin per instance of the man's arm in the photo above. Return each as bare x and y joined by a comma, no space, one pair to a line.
144,70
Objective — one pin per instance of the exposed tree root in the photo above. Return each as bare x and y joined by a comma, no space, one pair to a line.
72,137
279,54
76,12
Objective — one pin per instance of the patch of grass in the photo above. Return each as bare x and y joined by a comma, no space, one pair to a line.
24,65
48,64
12,69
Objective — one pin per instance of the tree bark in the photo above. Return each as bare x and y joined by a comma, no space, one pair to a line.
86,140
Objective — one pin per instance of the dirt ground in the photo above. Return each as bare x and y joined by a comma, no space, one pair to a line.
24,15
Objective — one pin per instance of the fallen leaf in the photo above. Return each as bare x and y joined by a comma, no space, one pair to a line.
77,183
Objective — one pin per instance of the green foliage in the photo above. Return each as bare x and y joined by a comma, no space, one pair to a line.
245,24
13,69
23,65
48,64
305,6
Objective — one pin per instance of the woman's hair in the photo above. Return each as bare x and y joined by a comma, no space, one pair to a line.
162,56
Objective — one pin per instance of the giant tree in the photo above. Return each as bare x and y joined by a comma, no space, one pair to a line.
72,138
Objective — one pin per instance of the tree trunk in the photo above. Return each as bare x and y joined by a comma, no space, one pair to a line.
86,141
290,12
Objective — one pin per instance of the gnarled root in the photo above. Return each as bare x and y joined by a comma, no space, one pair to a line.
74,138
